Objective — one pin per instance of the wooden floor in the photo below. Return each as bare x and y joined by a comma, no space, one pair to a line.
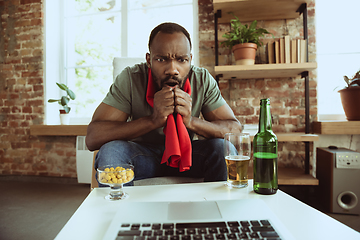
37,210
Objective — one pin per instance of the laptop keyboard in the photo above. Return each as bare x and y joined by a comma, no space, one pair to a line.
198,230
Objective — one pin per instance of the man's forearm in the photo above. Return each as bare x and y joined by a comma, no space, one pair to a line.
101,132
214,129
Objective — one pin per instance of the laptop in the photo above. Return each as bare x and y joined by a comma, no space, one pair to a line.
221,219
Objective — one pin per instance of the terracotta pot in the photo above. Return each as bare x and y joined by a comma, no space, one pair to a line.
350,99
244,53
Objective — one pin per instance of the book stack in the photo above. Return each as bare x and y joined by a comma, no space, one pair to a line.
286,50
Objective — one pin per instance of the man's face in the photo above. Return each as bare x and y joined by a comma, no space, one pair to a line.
169,59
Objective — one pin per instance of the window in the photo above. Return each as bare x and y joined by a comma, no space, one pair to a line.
338,52
83,38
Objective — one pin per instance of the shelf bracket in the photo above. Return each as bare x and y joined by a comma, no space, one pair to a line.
217,15
304,74
307,120
303,10
217,78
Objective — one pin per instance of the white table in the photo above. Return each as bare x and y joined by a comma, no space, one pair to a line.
92,218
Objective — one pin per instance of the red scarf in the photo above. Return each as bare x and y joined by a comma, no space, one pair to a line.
177,140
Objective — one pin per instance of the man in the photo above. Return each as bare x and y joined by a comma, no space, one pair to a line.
133,123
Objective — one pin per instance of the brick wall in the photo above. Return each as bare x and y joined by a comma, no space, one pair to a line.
22,96
22,91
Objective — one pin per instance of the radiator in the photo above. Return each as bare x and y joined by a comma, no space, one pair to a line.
84,161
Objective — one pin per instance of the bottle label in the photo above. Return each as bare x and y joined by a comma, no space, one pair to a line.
265,155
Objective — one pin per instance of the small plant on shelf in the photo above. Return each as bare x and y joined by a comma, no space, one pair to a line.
64,100
243,33
243,40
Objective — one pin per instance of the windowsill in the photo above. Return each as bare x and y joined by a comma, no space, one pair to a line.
58,130
331,117
336,127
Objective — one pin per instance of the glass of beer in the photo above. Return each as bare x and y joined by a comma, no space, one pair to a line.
237,149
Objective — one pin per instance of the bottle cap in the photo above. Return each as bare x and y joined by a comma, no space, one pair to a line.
266,100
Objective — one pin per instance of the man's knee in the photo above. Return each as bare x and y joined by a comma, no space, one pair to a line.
112,152
211,153
216,145
204,147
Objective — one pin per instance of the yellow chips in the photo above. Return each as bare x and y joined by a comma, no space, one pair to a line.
116,175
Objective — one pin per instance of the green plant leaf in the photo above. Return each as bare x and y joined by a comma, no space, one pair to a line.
71,94
253,25
53,100
62,86
355,83
67,109
64,100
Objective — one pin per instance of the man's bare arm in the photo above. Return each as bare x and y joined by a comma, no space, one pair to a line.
109,123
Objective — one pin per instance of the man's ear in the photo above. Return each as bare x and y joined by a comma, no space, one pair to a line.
148,60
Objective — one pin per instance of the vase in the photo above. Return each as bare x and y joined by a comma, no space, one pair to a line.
350,99
244,53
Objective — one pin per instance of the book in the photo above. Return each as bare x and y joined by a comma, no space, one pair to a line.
293,51
277,51
298,47
271,52
287,49
282,50
303,50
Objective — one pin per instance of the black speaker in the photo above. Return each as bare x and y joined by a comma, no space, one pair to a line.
338,172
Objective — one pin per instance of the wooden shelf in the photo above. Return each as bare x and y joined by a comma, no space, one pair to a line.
336,127
294,137
264,70
249,10
58,130
291,176
80,130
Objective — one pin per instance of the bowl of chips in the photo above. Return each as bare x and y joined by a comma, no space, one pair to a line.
115,177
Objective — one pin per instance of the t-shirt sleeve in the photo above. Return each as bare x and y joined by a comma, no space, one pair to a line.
119,95
213,98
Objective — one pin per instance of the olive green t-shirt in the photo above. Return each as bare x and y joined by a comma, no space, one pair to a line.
128,94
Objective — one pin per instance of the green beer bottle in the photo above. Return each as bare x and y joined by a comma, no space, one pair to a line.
265,153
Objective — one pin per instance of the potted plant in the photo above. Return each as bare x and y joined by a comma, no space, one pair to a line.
243,40
350,97
63,101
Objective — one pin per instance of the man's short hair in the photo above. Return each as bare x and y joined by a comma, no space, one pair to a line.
169,28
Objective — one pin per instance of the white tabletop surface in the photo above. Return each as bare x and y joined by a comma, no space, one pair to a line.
92,218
